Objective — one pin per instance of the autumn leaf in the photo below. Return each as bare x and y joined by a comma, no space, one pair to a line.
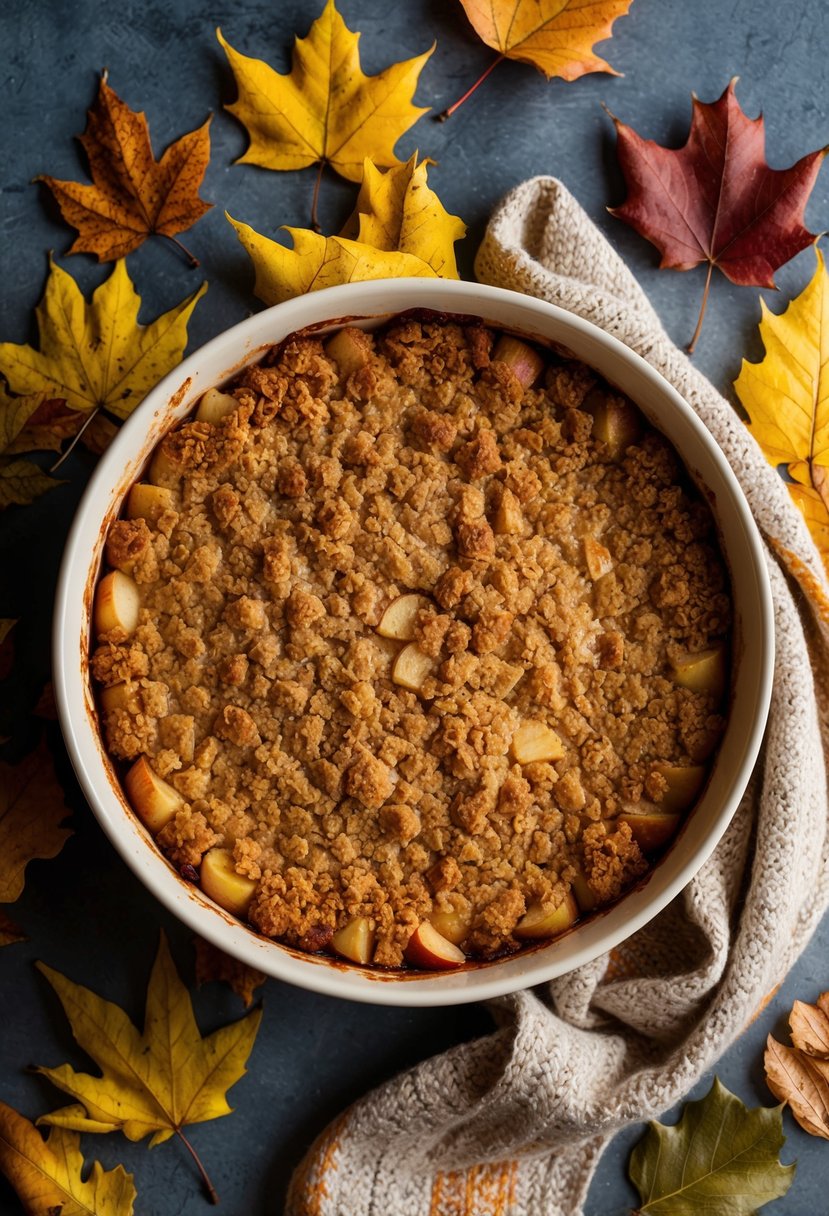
32,810
21,481
213,964
319,261
9,931
153,1083
397,210
799,1075
555,36
46,1174
133,195
716,200
325,110
720,1157
96,356
786,396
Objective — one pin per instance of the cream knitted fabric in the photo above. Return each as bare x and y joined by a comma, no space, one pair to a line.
515,1122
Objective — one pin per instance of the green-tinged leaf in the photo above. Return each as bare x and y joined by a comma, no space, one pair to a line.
46,1174
720,1158
21,482
97,355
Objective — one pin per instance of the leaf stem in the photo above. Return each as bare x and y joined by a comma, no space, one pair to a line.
450,110
212,1193
192,260
315,224
692,344
76,438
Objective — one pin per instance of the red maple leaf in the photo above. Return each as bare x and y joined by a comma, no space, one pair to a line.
716,200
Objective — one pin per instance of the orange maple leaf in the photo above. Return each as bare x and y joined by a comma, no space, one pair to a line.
133,195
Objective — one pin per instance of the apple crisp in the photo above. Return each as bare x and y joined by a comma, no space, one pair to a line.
413,644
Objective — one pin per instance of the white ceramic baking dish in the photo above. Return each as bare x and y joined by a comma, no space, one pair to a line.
369,304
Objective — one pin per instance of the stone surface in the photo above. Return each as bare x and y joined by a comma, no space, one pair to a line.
84,912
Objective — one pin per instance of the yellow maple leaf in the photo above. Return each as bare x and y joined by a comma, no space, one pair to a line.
786,396
319,261
97,356
133,195
397,210
32,810
46,1174
156,1082
326,109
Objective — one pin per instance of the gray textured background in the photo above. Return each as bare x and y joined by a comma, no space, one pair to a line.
84,912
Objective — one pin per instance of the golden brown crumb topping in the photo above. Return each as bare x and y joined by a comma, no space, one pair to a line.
564,580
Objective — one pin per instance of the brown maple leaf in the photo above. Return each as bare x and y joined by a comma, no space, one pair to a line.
32,812
716,200
213,964
133,195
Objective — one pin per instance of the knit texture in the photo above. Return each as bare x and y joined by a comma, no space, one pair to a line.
514,1123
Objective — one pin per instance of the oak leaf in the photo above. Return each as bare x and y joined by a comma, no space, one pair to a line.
133,195
46,1174
325,111
721,1157
716,200
799,1075
95,356
786,396
397,210
32,811
555,36
213,964
153,1083
319,261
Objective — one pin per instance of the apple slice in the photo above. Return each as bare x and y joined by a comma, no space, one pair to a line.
122,696
219,880
509,518
525,363
616,422
431,950
684,783
399,618
534,741
355,941
215,405
597,557
153,800
117,603
703,671
584,893
543,922
651,829
149,502
451,925
412,667
350,349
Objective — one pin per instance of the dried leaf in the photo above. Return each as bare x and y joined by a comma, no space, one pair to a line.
555,36
786,396
32,810
716,200
9,931
809,1025
97,355
319,261
133,195
21,482
46,707
51,422
16,414
46,1174
213,964
792,1078
721,1157
156,1082
397,210
326,110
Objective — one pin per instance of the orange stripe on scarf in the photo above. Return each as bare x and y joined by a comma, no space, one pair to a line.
484,1190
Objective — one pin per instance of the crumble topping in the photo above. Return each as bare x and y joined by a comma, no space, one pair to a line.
562,582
